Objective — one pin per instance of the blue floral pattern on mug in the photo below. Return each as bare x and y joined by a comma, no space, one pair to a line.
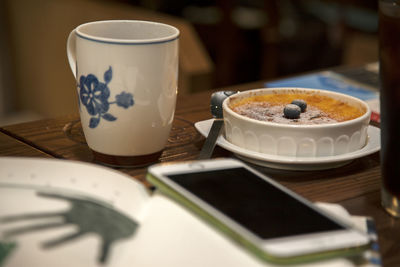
94,96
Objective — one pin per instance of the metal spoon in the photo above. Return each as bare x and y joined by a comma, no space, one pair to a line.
216,110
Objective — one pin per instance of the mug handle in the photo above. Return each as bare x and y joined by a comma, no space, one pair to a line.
71,51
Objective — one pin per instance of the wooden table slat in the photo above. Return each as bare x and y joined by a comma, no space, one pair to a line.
13,148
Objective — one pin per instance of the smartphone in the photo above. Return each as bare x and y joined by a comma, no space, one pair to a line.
265,217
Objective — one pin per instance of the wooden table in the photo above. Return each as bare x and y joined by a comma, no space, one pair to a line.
355,186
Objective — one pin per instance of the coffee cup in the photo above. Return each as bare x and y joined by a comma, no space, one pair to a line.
127,74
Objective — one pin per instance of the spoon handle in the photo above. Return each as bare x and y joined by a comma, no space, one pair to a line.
211,139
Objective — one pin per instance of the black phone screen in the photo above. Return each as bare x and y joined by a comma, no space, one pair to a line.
262,208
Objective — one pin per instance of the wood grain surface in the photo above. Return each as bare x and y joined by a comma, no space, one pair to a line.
11,147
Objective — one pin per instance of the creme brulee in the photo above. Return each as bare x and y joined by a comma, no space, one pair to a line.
320,109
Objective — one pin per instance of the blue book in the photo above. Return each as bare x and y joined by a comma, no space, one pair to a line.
361,83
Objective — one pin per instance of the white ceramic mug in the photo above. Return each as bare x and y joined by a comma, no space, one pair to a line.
127,75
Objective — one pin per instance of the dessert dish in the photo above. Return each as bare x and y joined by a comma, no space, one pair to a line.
329,123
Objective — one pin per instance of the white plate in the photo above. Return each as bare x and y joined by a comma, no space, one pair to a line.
296,163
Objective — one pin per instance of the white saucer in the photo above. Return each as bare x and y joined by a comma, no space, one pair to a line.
296,163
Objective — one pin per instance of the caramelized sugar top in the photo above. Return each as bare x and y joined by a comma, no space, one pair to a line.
333,108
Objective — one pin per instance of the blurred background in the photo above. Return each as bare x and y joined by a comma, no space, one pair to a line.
222,43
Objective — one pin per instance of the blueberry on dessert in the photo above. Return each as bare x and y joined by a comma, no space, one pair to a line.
292,111
301,103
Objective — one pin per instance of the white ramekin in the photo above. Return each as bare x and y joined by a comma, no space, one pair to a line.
296,140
